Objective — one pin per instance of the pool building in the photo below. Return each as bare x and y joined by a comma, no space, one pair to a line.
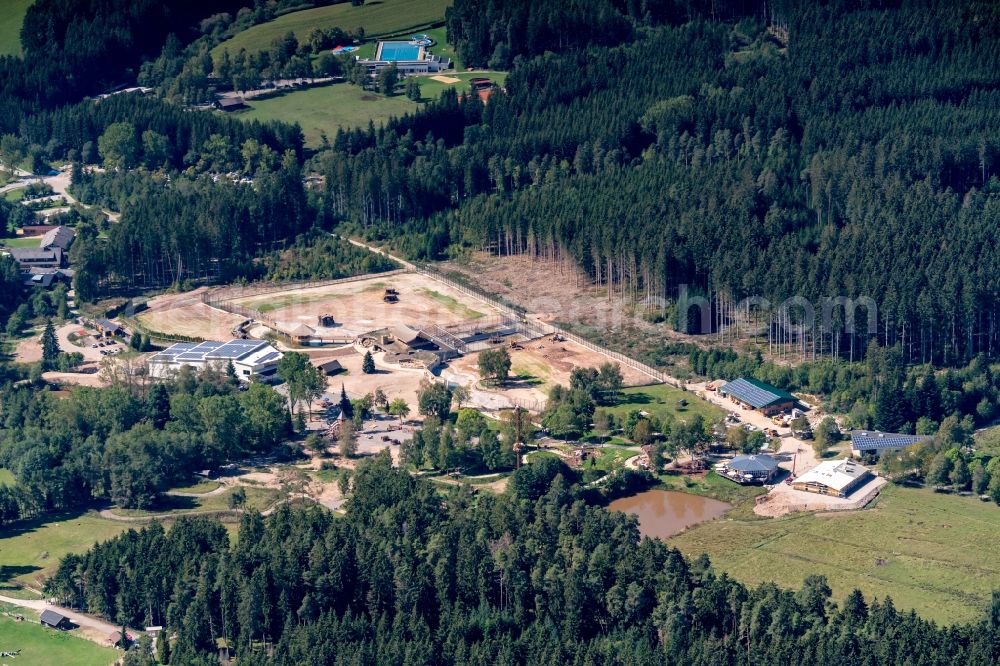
410,57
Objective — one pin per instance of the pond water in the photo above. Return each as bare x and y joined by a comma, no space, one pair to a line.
663,513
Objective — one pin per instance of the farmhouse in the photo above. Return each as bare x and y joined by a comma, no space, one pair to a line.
28,258
51,618
750,469
873,442
252,359
230,104
57,237
834,477
757,395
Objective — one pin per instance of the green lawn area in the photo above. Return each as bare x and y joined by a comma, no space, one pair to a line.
327,109
198,487
431,89
714,486
22,241
660,400
377,18
30,551
14,196
40,646
257,498
988,440
930,552
10,25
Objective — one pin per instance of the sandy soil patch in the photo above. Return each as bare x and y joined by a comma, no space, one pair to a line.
395,383
358,306
75,378
445,79
185,314
29,350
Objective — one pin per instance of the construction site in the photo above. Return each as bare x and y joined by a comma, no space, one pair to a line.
417,327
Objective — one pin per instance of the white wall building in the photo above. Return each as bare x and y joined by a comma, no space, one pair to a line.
252,359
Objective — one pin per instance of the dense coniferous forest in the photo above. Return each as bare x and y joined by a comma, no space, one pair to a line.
825,156
533,576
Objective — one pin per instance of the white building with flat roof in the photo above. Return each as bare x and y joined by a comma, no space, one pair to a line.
833,477
252,359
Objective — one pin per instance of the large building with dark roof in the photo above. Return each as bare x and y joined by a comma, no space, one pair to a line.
757,395
60,237
873,442
252,359
750,469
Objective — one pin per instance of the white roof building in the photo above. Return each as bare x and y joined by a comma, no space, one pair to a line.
252,359
833,477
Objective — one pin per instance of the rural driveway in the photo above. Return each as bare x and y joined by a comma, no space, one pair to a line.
801,456
99,629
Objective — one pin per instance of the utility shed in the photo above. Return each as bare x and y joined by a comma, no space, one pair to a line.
51,618
760,396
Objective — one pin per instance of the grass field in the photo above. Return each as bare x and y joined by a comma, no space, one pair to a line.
327,109
10,25
257,498
40,646
198,487
25,241
661,401
933,553
14,196
431,89
30,551
377,18
988,440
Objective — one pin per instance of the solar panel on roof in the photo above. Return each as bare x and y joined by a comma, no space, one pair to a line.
268,357
749,393
872,441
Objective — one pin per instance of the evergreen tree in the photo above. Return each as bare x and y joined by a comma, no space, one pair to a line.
50,345
368,363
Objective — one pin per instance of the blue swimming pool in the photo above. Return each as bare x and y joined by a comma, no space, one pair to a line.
398,51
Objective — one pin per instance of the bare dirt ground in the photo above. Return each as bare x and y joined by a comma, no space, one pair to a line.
539,365
394,382
358,306
555,291
185,314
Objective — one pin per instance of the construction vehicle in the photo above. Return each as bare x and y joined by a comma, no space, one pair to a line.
390,295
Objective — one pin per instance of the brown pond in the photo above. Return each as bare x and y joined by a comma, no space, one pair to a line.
663,513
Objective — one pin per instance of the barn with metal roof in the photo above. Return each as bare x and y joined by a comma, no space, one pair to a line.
754,394
875,442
